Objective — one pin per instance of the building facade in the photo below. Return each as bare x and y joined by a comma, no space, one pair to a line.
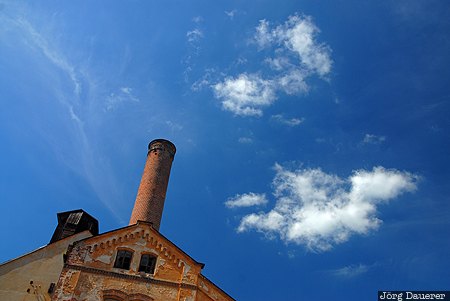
133,263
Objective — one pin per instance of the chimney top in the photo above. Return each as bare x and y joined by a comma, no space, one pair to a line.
162,144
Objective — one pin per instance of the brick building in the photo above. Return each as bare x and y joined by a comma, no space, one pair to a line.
133,263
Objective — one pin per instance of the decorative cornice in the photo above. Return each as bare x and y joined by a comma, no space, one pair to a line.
129,277
157,244
155,238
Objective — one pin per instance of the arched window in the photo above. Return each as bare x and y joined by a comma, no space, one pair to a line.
123,259
114,295
147,264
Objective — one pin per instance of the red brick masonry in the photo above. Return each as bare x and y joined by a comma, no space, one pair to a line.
150,198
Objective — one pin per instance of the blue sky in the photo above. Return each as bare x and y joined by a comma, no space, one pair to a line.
312,136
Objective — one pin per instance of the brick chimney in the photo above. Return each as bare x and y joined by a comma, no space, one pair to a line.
150,198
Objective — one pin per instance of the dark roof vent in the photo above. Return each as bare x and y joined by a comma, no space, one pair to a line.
73,222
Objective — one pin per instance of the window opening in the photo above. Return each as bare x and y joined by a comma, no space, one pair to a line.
147,264
123,259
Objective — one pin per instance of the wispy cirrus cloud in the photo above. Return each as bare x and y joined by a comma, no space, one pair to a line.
287,121
174,126
319,210
123,95
76,102
373,139
38,41
204,81
193,38
350,271
297,55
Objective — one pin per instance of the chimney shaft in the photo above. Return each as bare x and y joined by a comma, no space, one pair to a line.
150,198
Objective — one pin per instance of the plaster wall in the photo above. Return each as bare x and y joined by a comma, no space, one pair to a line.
86,286
29,277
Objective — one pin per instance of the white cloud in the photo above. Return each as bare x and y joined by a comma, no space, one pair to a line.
278,63
197,19
293,82
204,81
297,34
264,36
379,184
289,122
245,140
350,271
231,13
246,200
245,95
248,94
297,57
373,139
194,35
319,210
